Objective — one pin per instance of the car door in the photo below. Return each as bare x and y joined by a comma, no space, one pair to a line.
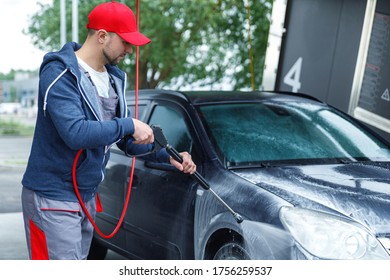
159,221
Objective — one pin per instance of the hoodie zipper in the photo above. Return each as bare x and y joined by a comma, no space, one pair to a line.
96,116
122,96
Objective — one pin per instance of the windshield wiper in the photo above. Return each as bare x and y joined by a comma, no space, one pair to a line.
258,164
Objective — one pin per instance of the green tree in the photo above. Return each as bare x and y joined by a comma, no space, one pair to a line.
201,41
9,76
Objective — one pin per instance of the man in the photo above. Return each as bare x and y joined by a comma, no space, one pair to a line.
81,105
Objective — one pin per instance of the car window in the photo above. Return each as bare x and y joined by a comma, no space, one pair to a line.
265,132
141,110
173,126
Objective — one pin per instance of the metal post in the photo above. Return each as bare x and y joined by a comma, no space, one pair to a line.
75,20
63,22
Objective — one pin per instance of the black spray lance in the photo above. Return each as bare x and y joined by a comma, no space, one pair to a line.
161,141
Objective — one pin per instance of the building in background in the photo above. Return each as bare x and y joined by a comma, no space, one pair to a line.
335,50
22,90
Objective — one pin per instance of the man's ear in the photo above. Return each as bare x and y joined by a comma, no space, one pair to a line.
102,35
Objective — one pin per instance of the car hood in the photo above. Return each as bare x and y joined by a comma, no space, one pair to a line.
358,190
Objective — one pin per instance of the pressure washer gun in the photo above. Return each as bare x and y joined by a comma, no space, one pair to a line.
161,142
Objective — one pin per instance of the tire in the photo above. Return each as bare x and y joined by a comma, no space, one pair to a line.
97,251
232,251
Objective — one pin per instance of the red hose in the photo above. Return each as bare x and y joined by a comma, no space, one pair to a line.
74,174
76,189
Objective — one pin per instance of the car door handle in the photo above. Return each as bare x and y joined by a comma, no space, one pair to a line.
135,182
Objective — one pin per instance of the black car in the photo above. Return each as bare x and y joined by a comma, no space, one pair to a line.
309,181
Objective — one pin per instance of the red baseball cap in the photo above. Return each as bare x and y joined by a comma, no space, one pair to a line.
118,18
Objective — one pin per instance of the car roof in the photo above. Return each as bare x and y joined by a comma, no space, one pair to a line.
211,97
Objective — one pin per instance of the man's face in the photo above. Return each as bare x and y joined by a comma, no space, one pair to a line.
115,49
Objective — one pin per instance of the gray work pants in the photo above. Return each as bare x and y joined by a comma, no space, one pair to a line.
56,230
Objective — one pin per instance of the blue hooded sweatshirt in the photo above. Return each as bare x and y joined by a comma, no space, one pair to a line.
69,119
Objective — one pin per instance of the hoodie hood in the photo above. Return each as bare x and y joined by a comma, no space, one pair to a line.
65,56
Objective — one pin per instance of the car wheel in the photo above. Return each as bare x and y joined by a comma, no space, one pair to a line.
232,251
97,251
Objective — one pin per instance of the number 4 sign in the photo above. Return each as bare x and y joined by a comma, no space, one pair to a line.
293,76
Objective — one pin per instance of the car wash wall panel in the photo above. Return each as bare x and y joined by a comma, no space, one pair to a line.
337,51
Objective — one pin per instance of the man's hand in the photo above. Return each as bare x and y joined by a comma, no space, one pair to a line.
188,166
143,134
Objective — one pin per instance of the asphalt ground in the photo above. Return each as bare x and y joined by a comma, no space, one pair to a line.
14,152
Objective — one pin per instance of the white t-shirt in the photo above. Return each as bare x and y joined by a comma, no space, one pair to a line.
100,79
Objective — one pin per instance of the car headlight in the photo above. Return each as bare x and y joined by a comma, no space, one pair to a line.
328,236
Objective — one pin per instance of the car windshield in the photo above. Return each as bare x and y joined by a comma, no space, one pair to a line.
271,133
